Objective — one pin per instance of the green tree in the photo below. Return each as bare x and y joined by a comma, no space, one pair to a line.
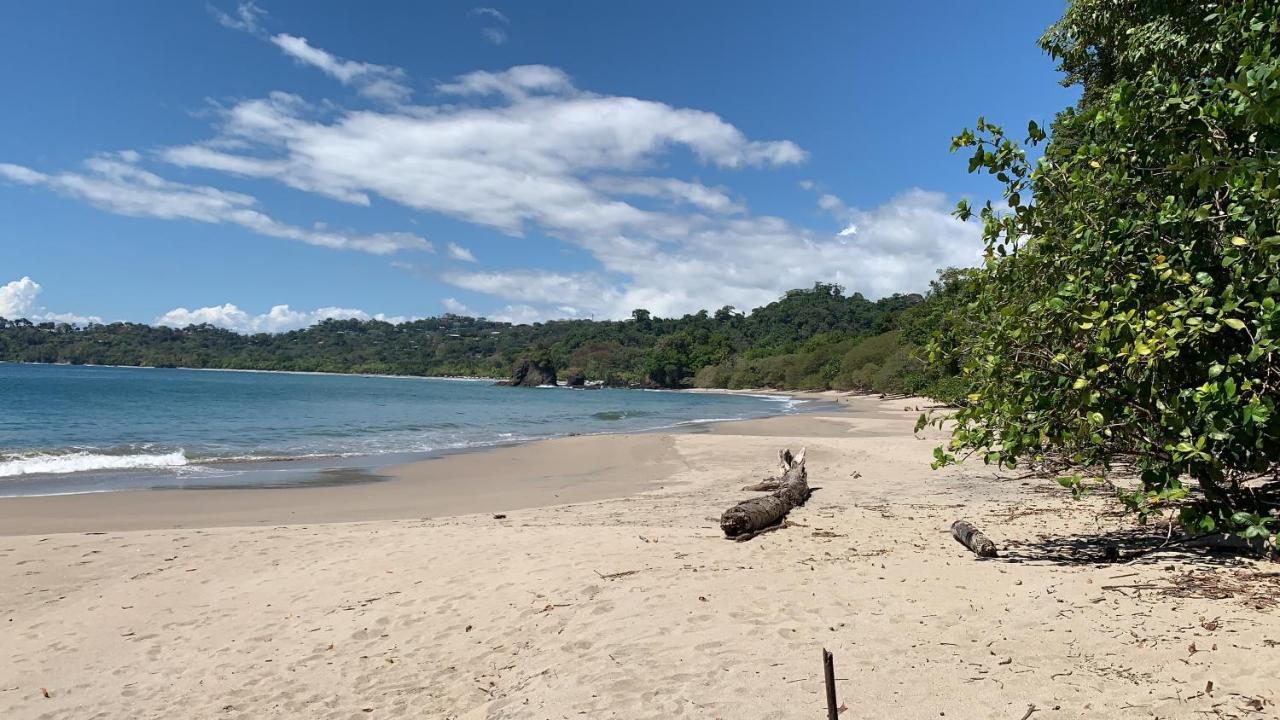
1127,310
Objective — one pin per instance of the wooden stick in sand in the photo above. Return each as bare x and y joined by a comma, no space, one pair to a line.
829,676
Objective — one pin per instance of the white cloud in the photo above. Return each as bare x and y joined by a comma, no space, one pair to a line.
18,299
833,204
711,199
520,315
747,262
245,19
378,82
280,318
457,252
493,33
538,286
535,157
452,305
114,184
517,83
383,83
490,13
525,149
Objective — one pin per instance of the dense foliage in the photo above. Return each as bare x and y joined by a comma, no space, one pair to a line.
815,338
1127,310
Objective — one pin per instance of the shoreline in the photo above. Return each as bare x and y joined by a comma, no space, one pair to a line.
500,478
483,480
465,378
89,472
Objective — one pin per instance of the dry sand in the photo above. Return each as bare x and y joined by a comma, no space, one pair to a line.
636,607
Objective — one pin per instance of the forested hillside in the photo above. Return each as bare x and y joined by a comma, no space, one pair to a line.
814,338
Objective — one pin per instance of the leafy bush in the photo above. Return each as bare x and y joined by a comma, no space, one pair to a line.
1127,310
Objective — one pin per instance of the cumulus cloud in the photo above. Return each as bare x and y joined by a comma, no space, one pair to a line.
747,262
280,318
19,299
457,252
114,183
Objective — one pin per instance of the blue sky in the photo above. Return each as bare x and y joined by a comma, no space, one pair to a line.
261,166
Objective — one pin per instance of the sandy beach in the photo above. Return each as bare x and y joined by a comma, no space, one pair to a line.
607,590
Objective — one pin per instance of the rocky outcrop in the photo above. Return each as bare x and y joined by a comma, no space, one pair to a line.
575,379
531,373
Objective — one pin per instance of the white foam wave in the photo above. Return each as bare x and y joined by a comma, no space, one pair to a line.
85,461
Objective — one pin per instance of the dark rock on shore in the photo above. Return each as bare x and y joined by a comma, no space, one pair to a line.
531,373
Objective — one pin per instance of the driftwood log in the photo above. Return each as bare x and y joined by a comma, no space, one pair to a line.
971,537
751,517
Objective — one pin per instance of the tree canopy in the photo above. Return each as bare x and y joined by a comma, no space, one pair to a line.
1126,314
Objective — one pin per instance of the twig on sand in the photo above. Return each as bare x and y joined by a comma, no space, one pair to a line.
615,576
1168,542
1030,709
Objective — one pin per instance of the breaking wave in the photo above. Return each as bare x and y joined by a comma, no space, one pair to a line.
36,464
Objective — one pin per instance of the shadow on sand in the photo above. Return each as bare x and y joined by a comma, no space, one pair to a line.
1139,546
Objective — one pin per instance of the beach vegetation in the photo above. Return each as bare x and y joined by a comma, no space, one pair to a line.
1127,315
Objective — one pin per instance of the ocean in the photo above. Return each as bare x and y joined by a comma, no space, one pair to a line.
79,429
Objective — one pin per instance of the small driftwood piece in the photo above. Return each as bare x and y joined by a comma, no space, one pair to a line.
750,517
971,537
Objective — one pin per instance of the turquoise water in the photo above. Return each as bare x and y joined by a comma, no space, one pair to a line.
72,429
